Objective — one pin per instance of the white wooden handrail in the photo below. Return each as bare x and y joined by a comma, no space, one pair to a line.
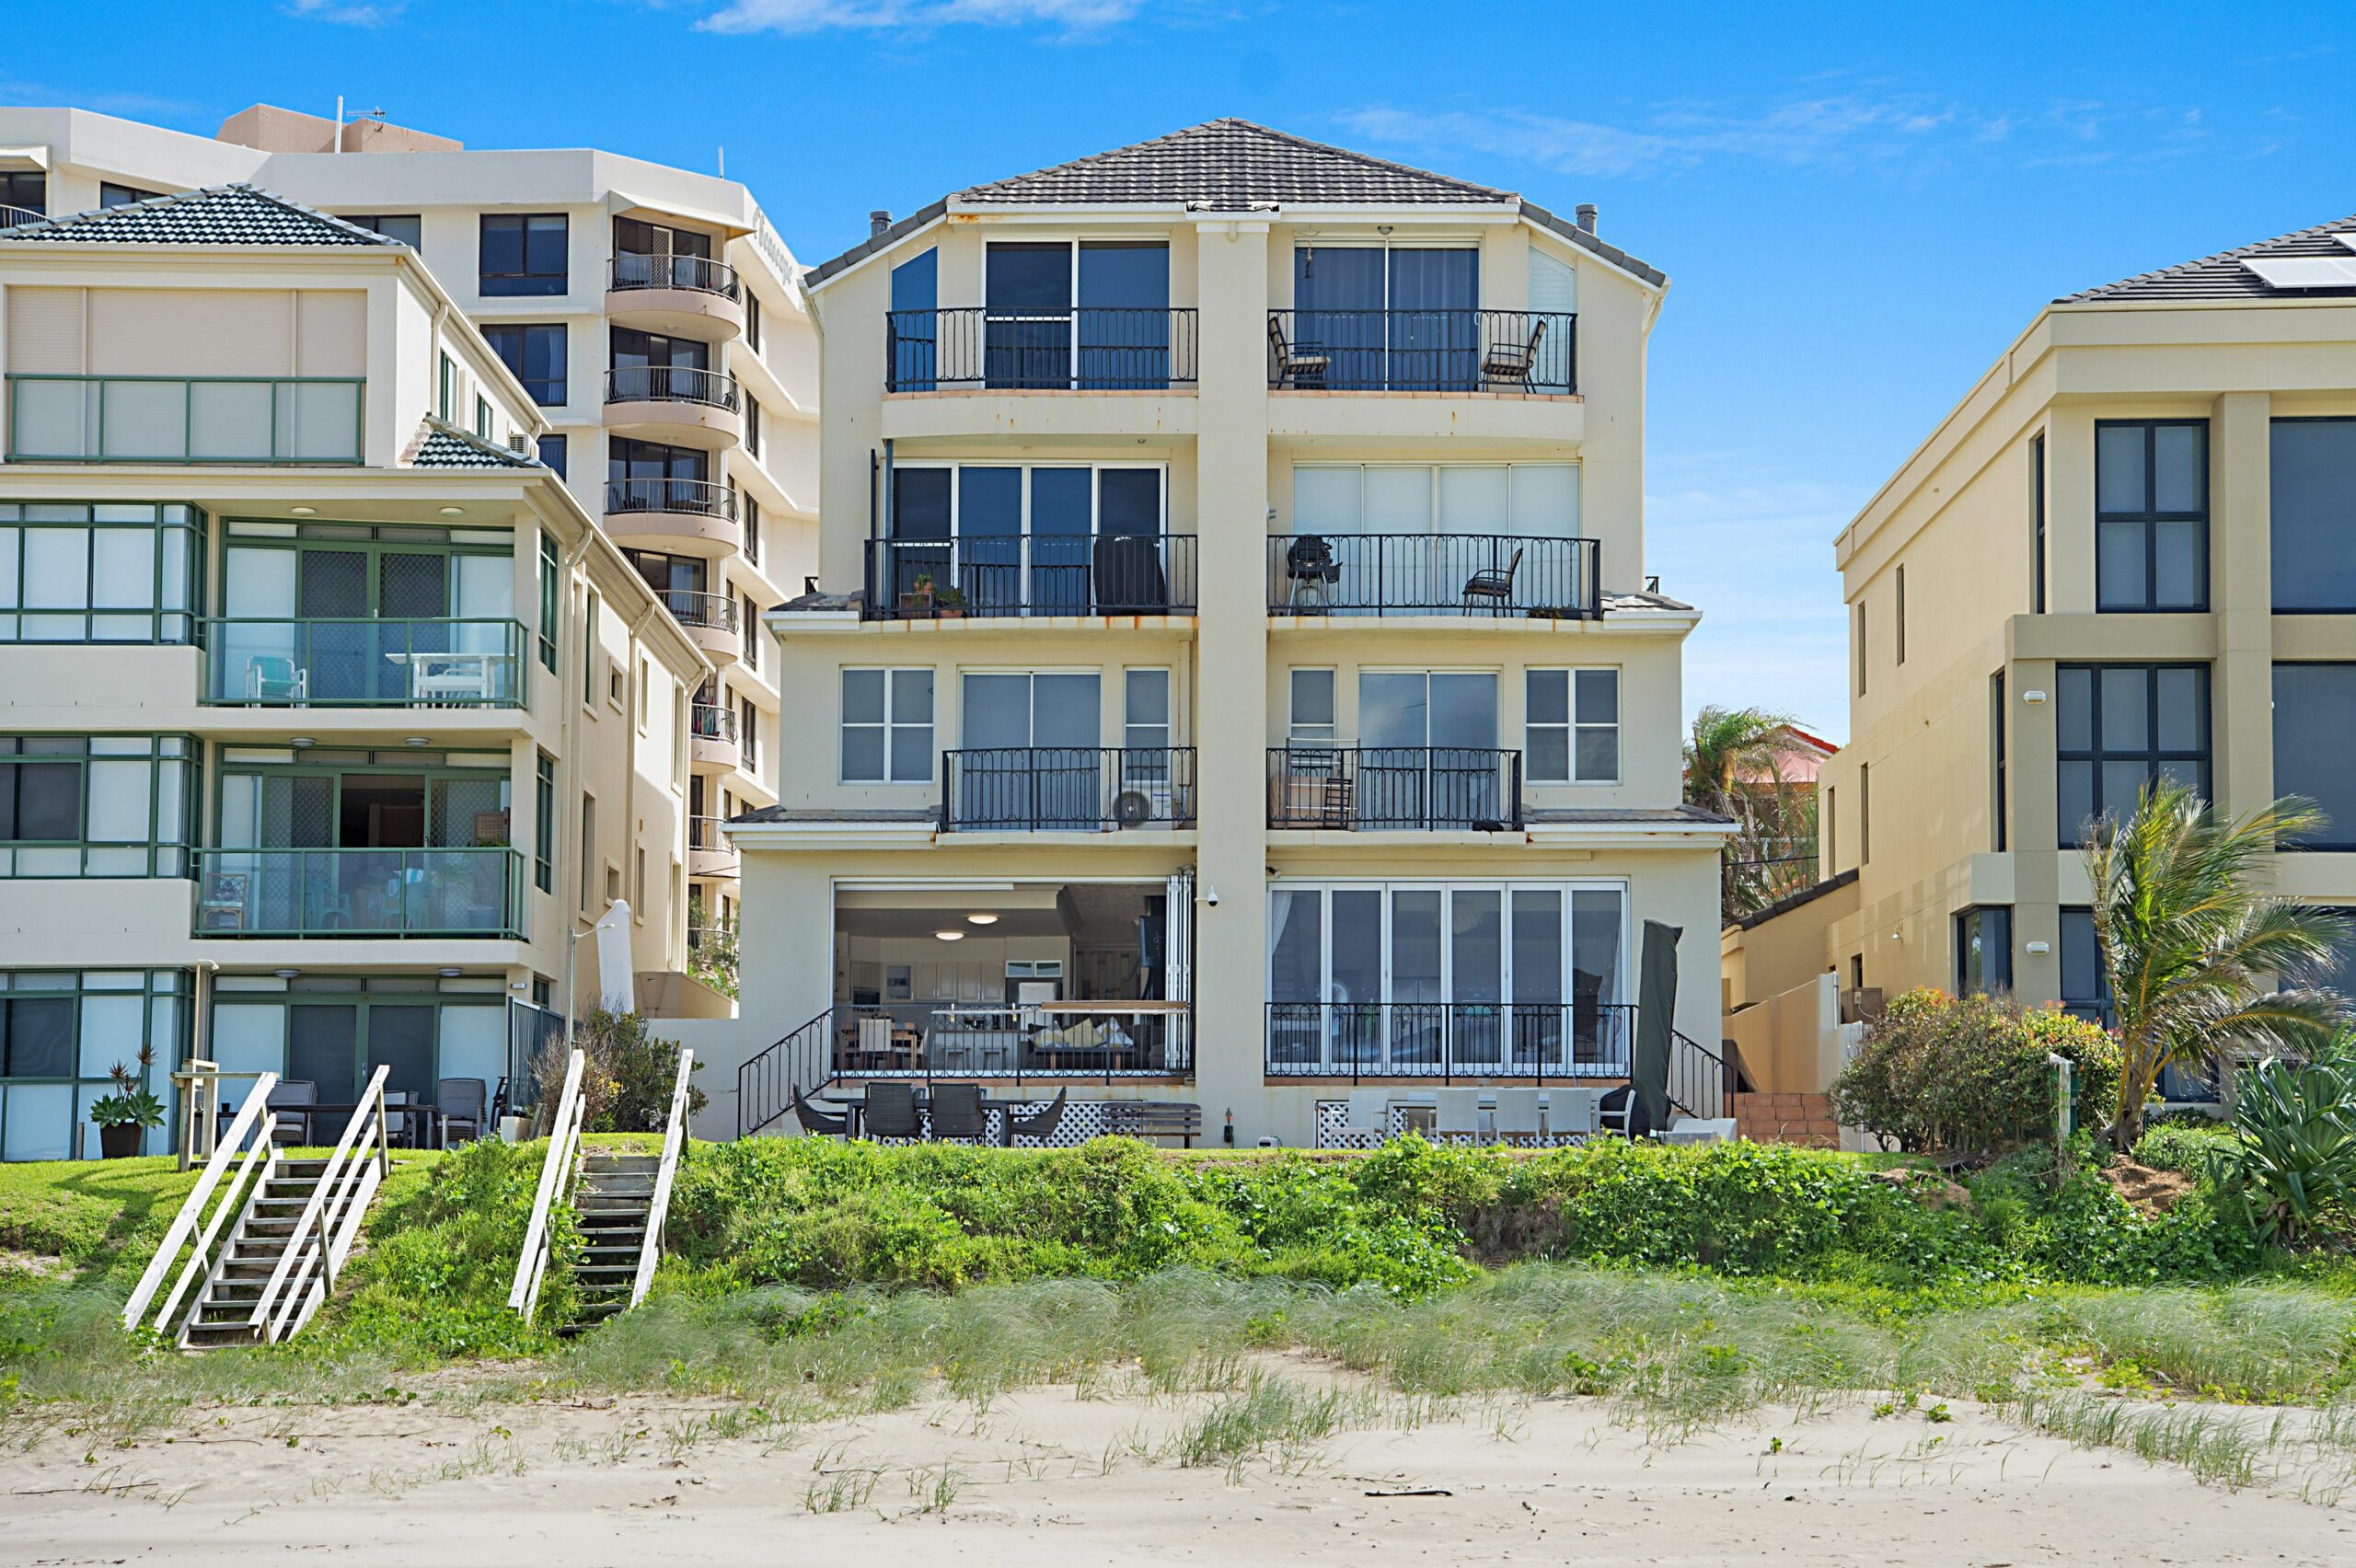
275,1311
262,1160
675,1136
184,1223
555,1174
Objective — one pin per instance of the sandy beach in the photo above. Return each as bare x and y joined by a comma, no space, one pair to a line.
1048,1476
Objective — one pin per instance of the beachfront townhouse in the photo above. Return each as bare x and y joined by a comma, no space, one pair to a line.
1232,674
329,717
2123,556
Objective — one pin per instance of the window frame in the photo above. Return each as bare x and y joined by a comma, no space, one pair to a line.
1572,726
2037,569
1993,923
2275,555
2152,516
889,727
544,823
551,391
176,528
2340,835
168,846
2097,755
525,282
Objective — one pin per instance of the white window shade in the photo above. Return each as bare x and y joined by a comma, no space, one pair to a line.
1472,500
1545,501
1326,501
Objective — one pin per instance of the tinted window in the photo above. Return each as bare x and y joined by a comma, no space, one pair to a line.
2117,728
552,453
2313,506
524,253
36,1037
2086,989
27,189
1983,952
2314,745
2150,515
112,195
536,356
40,802
406,227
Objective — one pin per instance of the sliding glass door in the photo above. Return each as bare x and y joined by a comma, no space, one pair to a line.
1031,756
1427,749
1398,318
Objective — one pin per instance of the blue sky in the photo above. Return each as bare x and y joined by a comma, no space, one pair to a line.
1859,204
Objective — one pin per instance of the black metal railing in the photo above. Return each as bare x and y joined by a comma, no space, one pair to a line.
1067,788
1088,349
798,1062
1422,574
1534,1040
1699,1081
644,269
701,497
1031,574
1372,789
1423,351
712,721
704,833
714,612
671,384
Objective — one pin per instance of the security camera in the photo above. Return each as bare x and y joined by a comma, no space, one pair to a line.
1210,896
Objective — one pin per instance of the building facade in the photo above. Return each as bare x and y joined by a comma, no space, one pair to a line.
1231,672
2121,558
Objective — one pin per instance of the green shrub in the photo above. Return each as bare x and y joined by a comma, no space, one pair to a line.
1970,1075
2188,1143
627,1076
2297,1151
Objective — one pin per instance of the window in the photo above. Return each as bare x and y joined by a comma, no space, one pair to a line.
589,651
2086,983
588,846
646,680
749,510
2120,727
887,727
1829,858
1857,647
2152,515
749,733
406,228
482,417
1036,539
638,884
1899,624
752,426
2314,513
617,683
752,625
523,253
445,391
112,572
26,189
536,356
1865,814
552,453
544,824
114,195
1571,726
1145,713
61,1029
1999,802
1311,722
752,321
2315,746
2036,523
552,598
97,805
1983,952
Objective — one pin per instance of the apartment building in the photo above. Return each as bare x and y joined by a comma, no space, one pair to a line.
331,722
650,311
2123,556
1232,673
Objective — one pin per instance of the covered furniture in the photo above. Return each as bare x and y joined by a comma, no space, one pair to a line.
816,1122
1040,1125
957,1113
1310,563
1297,367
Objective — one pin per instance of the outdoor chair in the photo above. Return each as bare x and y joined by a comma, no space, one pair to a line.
401,1131
274,677
816,1122
892,1111
1621,1111
1457,1116
1310,563
957,1113
1573,1113
1039,1125
1513,364
1298,367
288,1098
1517,1118
1493,587
1370,1117
464,1104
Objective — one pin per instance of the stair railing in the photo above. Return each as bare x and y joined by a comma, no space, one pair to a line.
323,1238
675,1138
251,1132
768,1080
1699,1081
555,1185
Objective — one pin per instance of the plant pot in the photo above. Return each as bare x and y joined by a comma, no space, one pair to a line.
120,1140
916,602
950,612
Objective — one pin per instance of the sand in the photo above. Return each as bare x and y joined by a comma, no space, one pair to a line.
1047,1478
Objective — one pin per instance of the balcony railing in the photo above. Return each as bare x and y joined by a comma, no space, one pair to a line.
701,497
1428,574
1031,574
259,421
1067,788
12,216
360,892
712,721
641,269
671,384
365,662
1092,349
1487,1040
1394,788
714,612
1423,351
704,833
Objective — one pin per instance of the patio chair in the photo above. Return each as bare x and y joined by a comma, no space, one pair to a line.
1457,1116
1513,364
1304,367
1492,586
892,1111
464,1103
1573,1113
957,1113
1370,1117
1310,563
819,1123
288,1098
1621,1111
402,1130
275,677
1039,1125
1517,1119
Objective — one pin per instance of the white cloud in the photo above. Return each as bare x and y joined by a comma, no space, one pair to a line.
909,15
348,13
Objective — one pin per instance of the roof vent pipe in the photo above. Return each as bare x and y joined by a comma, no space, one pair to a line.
878,221
1586,212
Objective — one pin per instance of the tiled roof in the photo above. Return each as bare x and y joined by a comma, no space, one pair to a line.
2223,276
1224,165
440,445
1630,599
1630,816
218,215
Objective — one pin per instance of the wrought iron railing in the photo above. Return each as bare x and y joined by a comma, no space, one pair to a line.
701,498
11,216
1535,1039
714,612
672,383
712,721
1031,574
1423,351
361,662
238,419
643,269
1067,788
1424,574
704,833
1375,789
475,892
1085,350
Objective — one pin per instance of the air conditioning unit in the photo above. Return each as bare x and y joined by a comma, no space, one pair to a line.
1148,801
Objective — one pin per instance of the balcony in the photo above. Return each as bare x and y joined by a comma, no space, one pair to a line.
12,216
1394,788
1423,351
361,892
691,296
261,422
362,663
1491,576
680,404
1067,788
710,854
672,512
1000,575
710,621
1445,1040
974,348
711,736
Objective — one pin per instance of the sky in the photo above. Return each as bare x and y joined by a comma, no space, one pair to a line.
1859,205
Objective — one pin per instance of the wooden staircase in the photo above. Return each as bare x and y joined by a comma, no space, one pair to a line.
224,1308
614,1206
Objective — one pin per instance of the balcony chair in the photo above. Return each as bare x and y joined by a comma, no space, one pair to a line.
275,677
1492,586
957,1113
1308,560
1368,1118
1513,364
1040,1125
287,1100
1456,1117
1300,368
223,907
892,1111
464,1103
817,1123
1517,1118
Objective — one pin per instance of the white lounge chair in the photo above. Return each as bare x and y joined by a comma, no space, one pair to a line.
1516,1117
1457,1116
1370,1117
1700,1130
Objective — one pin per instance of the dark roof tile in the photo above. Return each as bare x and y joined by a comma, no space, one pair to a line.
218,215
440,445
1225,165
2223,276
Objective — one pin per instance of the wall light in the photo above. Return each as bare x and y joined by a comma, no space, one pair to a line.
453,512
414,741
301,742
304,511
2032,695
951,936
449,973
2040,946
978,919
287,973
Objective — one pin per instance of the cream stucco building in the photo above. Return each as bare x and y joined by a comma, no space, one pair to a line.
2124,555
1231,674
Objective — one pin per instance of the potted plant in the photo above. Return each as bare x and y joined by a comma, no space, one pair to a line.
918,595
951,603
125,1117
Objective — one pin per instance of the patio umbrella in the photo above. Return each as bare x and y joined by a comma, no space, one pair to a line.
1655,1018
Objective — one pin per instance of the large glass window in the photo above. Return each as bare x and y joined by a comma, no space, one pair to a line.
1571,726
406,227
1983,951
110,194
2313,486
2085,985
887,727
335,1030
536,354
112,572
523,253
2120,727
1086,314
27,189
62,1031
2315,746
2152,515
1046,540
544,823
96,805
2036,523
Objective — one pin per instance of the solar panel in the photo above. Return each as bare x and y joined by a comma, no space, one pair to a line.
2347,237
2306,271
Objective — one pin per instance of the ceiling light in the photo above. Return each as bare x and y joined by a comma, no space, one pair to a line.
453,512
980,919
304,511
301,742
449,973
414,741
287,973
951,936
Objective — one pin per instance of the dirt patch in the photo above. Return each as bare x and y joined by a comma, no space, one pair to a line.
2151,1191
1928,1188
39,1265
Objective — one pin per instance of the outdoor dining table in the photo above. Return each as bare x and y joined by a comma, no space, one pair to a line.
424,1125
855,1102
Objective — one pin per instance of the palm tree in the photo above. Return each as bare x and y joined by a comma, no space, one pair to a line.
2191,944
1735,766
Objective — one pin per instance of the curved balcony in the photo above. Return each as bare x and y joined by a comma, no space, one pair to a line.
708,619
710,854
675,403
697,515
686,296
12,216
712,737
